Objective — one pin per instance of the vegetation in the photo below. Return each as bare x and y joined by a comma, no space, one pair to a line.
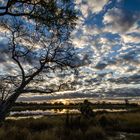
88,125
72,127
86,109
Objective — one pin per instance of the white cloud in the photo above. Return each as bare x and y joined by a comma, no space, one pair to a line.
130,39
95,6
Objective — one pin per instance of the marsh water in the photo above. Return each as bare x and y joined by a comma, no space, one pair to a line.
48,112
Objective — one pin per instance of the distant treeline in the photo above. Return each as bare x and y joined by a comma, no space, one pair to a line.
71,104
21,106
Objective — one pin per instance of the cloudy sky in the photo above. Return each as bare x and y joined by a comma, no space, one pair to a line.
108,36
109,32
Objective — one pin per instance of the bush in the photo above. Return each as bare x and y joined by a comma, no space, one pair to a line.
44,135
95,133
86,110
14,133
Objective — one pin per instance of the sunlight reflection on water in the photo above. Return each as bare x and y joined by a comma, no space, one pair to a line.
45,112
40,113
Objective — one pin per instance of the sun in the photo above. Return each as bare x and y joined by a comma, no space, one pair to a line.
64,101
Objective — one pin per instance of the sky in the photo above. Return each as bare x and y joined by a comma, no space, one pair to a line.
107,36
109,32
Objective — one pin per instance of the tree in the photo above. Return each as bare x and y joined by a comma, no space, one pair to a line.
85,109
37,47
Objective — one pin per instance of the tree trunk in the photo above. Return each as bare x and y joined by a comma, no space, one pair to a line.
7,105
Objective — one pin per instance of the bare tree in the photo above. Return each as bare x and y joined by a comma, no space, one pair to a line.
38,48
27,7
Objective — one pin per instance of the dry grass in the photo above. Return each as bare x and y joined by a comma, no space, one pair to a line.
71,128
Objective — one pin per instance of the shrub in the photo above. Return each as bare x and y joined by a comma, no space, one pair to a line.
14,133
95,133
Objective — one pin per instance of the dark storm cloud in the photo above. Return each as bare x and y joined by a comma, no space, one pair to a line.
121,20
119,92
100,65
130,13
124,92
127,79
123,16
128,19
4,55
131,55
59,96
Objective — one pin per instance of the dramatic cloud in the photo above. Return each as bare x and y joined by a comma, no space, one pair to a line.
113,36
94,6
131,38
119,20
107,41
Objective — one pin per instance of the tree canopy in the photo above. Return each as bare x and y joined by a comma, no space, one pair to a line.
35,47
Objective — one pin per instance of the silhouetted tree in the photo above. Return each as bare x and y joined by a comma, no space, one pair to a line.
126,101
86,109
37,47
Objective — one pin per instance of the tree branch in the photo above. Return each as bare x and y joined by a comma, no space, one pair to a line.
38,91
15,59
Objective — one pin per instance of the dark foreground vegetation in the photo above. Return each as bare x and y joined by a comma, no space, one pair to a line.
102,126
